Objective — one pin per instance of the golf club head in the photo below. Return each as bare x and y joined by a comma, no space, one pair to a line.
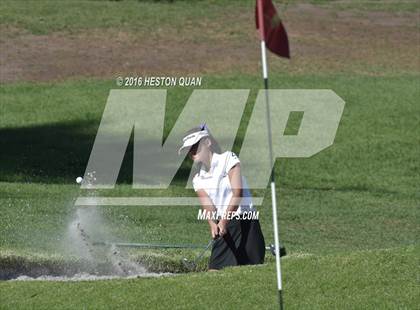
272,249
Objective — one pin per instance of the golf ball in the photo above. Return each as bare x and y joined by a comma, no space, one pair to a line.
79,180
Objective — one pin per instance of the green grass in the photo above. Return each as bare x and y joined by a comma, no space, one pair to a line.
353,207
375,148
46,16
150,17
381,279
359,194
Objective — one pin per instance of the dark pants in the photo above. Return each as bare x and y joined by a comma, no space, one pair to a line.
242,245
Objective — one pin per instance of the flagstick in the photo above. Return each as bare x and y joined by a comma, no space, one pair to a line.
270,146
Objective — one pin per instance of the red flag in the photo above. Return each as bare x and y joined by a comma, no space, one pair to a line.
275,35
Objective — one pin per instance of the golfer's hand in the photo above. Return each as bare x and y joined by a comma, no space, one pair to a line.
214,230
222,227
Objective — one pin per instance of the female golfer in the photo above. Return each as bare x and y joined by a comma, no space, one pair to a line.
226,201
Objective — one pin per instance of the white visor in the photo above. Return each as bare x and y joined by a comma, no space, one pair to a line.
192,139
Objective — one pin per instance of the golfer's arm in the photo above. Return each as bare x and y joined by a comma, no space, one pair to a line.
236,185
206,203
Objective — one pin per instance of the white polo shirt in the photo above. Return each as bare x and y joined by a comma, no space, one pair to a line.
216,183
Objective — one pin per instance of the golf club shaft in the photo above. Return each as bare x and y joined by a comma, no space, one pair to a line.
204,251
162,246
149,245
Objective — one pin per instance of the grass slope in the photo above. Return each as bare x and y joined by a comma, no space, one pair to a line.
360,193
380,279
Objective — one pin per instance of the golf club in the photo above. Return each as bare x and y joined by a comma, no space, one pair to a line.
147,245
191,265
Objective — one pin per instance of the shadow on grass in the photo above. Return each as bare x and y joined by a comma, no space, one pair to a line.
58,153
